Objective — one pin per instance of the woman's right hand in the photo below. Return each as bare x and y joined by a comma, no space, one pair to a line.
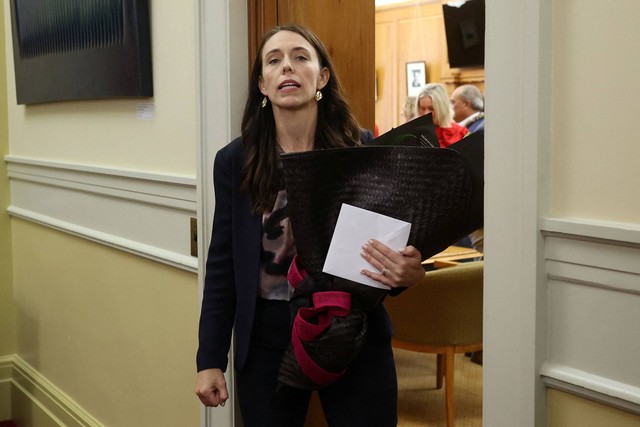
211,387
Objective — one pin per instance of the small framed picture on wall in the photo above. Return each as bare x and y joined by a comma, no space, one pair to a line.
416,77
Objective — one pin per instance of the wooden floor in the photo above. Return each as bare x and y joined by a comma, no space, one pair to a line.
421,404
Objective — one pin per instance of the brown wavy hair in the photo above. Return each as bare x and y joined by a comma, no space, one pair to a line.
336,126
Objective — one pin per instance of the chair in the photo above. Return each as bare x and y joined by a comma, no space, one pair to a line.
441,315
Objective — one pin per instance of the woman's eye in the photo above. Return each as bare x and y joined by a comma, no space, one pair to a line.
273,61
301,58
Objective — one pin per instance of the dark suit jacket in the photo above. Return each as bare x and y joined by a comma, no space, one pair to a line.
233,269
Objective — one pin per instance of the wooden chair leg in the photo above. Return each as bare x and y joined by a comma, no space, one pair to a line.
439,370
448,376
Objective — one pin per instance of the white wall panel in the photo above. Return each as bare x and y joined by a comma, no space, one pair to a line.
595,330
593,303
139,212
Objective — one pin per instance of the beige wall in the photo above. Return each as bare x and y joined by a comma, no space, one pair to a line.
595,109
107,132
113,332
566,410
7,308
7,312
594,150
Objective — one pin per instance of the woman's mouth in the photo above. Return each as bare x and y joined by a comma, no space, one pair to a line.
288,84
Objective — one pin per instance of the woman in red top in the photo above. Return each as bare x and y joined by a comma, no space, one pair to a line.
433,99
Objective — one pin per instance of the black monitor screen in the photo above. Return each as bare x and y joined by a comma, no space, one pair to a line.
464,25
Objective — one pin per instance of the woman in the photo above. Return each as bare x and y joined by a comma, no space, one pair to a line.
433,99
295,103
409,108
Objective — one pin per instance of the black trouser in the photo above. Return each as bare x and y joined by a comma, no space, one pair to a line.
366,395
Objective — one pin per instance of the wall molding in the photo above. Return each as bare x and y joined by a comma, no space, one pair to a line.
58,406
143,213
592,253
620,233
592,387
592,281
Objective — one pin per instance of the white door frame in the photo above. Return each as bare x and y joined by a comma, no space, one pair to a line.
518,132
222,44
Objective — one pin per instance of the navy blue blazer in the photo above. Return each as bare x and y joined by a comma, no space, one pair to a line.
233,269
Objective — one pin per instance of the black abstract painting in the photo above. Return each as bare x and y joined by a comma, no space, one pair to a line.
81,49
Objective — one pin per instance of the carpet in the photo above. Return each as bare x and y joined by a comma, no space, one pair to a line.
421,404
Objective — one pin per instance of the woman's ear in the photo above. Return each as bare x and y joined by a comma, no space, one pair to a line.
325,75
261,86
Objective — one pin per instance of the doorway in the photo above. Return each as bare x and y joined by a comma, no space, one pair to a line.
517,79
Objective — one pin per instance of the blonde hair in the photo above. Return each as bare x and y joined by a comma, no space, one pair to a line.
442,110
409,108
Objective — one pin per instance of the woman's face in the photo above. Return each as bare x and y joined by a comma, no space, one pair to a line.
425,106
291,72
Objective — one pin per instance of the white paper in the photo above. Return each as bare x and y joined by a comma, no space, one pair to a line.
146,111
354,228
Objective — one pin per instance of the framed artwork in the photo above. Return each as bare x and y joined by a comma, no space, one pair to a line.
416,77
75,49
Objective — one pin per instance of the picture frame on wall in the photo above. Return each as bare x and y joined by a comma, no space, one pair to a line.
71,50
416,77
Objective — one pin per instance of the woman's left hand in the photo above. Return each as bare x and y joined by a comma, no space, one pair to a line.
395,269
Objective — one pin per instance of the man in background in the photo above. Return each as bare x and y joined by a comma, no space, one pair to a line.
468,110
468,107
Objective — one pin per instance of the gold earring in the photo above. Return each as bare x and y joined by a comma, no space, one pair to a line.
318,96
264,102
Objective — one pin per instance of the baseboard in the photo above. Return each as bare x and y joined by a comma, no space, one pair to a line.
5,387
40,396
5,399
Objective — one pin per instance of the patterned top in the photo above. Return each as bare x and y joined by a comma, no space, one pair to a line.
278,250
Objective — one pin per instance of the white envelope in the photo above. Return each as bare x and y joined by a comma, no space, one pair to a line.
356,226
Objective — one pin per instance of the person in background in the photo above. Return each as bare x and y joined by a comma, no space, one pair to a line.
468,107
295,103
468,110
409,108
433,98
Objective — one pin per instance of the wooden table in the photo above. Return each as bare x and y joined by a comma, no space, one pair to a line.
451,256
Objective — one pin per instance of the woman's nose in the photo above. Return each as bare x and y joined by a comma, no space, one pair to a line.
286,66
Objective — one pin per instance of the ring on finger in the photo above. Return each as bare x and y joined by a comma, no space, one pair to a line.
384,271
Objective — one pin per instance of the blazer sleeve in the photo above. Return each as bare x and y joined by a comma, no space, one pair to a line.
219,296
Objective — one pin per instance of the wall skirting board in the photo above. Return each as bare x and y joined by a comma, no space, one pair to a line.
144,213
42,394
593,294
